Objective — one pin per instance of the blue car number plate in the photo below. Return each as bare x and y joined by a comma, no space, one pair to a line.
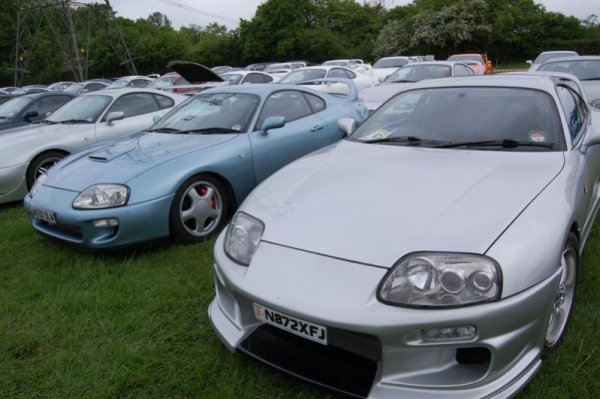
44,215
300,327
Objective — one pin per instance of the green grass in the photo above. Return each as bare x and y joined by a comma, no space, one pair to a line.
511,65
135,324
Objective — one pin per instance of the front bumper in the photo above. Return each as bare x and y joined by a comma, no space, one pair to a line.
138,222
12,183
341,295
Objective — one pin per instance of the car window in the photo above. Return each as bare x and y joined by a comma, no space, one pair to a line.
288,103
49,104
164,101
461,70
139,83
315,103
337,73
134,104
93,87
254,78
573,111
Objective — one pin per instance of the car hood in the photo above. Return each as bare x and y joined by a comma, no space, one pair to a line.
374,203
193,72
19,143
121,161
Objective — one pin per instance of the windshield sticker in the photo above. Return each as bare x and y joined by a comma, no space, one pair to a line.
537,136
376,135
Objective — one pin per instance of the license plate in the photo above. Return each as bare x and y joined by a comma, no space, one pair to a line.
44,215
300,327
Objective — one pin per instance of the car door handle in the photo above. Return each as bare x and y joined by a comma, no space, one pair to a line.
316,127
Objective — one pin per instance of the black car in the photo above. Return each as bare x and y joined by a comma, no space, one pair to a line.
31,108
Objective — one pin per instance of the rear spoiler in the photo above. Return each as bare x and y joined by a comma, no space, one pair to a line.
333,83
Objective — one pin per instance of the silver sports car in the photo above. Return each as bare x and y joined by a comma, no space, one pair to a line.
434,253
85,121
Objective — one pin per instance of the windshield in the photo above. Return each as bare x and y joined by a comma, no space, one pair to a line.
336,63
84,109
75,89
118,84
584,70
466,58
276,67
545,57
11,108
390,63
415,73
227,111
303,75
451,116
232,78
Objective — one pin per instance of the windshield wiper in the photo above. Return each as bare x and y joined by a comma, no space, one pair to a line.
591,79
410,140
506,143
67,121
211,130
165,130
403,81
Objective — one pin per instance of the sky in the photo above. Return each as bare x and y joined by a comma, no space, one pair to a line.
229,12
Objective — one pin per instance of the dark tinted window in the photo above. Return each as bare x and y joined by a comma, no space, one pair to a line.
138,83
134,104
289,104
93,87
49,104
253,78
340,73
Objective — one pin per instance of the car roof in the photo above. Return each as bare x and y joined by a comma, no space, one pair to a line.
258,88
538,82
448,63
48,94
574,58
118,92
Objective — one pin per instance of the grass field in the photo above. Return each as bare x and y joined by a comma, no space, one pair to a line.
134,324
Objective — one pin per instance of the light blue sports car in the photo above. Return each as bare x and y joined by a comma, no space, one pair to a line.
185,175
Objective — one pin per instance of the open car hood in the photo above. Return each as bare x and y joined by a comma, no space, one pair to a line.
194,73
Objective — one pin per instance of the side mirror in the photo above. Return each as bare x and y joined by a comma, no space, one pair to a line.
114,116
29,115
529,62
272,122
595,105
346,125
156,118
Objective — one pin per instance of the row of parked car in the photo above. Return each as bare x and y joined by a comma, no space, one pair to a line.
381,261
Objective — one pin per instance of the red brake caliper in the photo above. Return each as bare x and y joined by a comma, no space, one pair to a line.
202,190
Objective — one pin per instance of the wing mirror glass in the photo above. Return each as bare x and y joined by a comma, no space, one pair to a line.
529,62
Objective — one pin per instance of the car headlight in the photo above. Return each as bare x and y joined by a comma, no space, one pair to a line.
38,183
101,196
242,237
432,279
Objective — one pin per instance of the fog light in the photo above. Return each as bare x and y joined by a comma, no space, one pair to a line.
449,333
105,222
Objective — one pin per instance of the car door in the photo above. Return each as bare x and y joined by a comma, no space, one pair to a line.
587,163
138,110
303,133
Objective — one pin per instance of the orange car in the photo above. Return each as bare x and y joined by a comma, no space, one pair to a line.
476,62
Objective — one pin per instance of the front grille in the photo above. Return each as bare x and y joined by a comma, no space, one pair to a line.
329,366
64,229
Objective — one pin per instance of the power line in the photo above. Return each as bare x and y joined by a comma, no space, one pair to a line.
193,9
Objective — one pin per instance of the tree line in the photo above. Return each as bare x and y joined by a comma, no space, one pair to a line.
313,30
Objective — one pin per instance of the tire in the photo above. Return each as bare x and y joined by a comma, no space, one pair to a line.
562,307
199,209
41,164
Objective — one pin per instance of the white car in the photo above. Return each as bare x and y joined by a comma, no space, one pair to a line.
361,80
386,65
245,77
84,121
548,55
